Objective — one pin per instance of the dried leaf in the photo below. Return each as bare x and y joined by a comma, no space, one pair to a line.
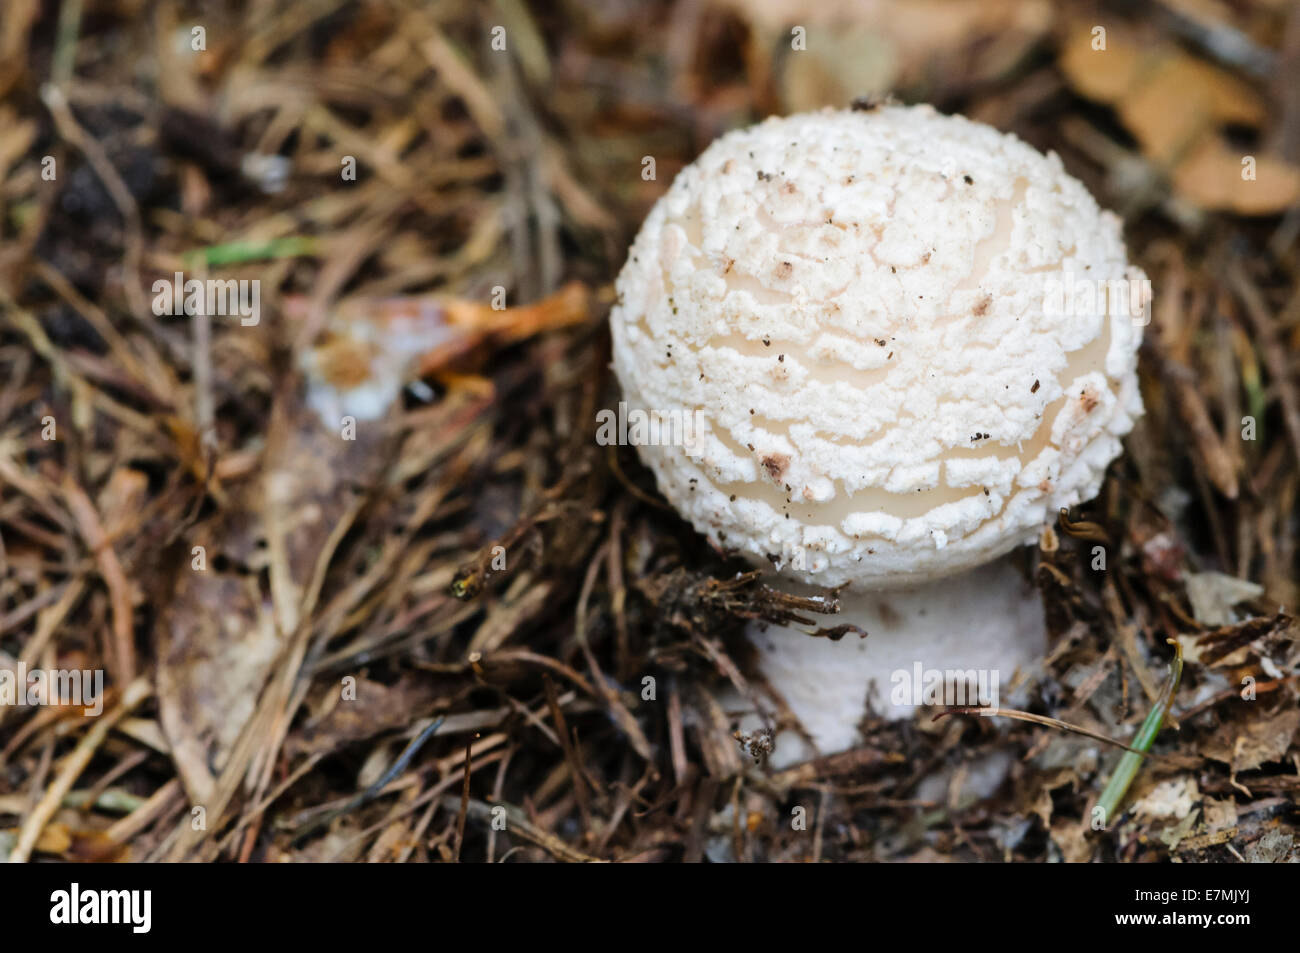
1214,176
1213,594
1247,746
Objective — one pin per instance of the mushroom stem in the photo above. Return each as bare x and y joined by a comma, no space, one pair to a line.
955,641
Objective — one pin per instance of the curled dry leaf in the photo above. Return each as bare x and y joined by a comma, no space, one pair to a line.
1177,107
374,709
1217,177
1213,594
1249,745
221,634
857,47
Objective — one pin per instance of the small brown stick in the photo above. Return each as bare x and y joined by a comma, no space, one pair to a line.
1128,641
497,788
119,590
464,802
381,786
47,623
1220,465
1043,720
618,592
158,804
76,762
1275,355
570,753
519,824
417,834
204,399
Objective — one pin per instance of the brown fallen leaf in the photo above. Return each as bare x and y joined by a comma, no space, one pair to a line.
58,839
1070,836
221,635
215,645
1246,747
1219,644
858,47
1176,99
1177,106
1213,175
1104,74
1274,847
375,708
121,500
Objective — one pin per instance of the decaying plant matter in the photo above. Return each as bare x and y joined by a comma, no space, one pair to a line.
369,644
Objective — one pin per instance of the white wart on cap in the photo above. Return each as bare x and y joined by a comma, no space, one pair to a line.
884,320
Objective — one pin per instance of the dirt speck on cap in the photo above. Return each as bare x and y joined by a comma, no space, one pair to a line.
776,464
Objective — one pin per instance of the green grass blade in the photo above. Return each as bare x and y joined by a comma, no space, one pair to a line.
1126,770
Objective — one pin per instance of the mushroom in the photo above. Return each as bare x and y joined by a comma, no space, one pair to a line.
907,340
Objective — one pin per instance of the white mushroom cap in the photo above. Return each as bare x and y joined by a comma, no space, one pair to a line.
883,320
